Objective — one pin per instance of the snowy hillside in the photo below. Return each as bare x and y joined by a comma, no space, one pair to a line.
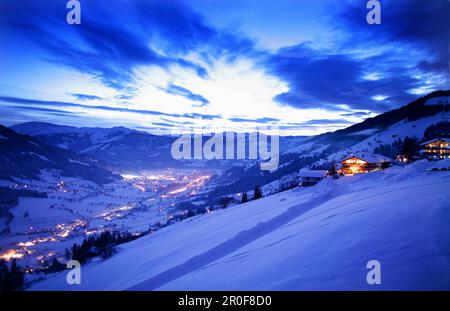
404,128
317,238
409,120
398,131
401,130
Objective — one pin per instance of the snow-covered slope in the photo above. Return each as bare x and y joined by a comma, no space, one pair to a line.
317,238
398,131
441,100
413,117
401,130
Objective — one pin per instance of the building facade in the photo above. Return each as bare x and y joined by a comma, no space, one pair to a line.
363,163
436,149
309,178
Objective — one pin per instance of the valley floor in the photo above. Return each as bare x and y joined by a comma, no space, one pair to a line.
317,238
74,209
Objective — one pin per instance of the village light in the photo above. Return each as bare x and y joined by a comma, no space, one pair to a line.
11,254
26,244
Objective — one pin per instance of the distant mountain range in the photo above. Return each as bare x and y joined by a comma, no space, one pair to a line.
118,146
73,150
23,156
124,148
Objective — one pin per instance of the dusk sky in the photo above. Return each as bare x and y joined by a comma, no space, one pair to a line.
307,66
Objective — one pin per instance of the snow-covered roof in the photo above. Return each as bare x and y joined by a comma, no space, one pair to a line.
313,173
369,157
433,140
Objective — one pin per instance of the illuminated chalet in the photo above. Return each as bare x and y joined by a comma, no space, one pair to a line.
363,163
436,149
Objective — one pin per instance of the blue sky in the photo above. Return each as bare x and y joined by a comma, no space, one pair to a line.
306,66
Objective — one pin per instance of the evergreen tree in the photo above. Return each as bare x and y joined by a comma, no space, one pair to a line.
76,253
332,169
244,198
225,201
411,147
67,254
257,193
16,276
56,266
441,129
4,276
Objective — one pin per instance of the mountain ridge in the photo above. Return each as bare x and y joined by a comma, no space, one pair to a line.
26,157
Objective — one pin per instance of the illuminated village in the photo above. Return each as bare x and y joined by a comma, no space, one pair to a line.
146,202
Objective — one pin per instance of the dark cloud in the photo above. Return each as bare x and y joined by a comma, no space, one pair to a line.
321,80
124,96
409,47
39,109
85,96
267,120
181,91
326,121
163,124
415,25
258,120
115,37
358,114
25,101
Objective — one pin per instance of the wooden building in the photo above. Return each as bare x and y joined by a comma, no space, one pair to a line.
311,177
363,163
436,149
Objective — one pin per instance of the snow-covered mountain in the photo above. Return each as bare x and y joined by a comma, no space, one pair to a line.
119,146
23,156
317,238
409,120
126,148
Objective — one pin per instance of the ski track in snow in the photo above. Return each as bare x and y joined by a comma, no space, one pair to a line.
238,241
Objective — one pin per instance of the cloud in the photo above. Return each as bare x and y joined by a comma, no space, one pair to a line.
405,55
257,120
138,45
320,79
181,91
327,121
85,96
115,39
358,114
163,124
25,101
46,110
415,25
